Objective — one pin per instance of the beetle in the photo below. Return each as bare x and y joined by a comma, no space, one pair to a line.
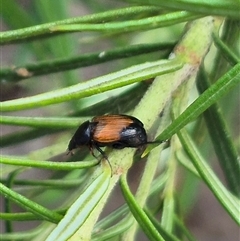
116,131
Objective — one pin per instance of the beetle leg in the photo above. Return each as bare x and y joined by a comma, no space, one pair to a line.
70,152
91,148
104,156
101,151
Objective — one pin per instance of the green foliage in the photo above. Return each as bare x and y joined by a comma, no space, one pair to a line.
140,60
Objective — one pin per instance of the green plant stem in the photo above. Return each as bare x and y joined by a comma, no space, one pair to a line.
30,205
79,211
21,136
28,235
183,228
228,202
46,164
184,51
114,230
115,80
8,209
213,7
230,37
208,98
125,223
113,102
47,67
42,122
48,183
132,25
111,218
138,213
43,29
166,235
169,200
11,12
222,142
25,216
225,50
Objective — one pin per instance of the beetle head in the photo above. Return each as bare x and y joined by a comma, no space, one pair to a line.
82,136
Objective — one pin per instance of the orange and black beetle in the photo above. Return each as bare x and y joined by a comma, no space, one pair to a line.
116,131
